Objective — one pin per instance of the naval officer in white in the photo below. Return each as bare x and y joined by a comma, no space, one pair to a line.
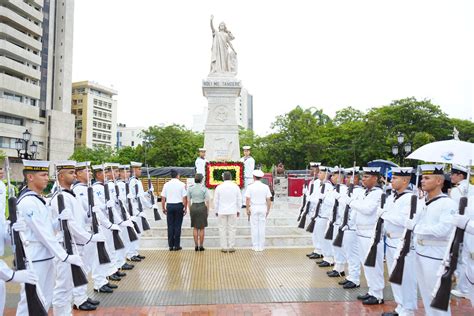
249,167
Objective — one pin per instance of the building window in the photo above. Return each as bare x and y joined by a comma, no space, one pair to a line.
133,143
11,120
94,123
94,135
7,142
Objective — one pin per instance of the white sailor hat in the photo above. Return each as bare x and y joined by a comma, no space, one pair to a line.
458,169
83,165
123,167
202,149
314,164
35,165
135,164
336,169
246,147
98,167
324,169
402,171
375,171
431,169
258,173
65,165
111,165
351,170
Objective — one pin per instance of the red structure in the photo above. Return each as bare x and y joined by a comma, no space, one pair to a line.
295,186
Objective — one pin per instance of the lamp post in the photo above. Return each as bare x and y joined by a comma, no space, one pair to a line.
401,148
22,145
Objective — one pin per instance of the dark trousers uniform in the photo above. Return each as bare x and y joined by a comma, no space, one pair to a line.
174,219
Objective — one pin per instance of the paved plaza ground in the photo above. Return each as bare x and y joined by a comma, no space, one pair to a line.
273,282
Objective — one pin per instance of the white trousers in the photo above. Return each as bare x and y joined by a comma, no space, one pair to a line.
320,227
136,244
339,254
124,253
130,246
257,227
3,292
314,237
350,245
405,294
427,276
79,294
247,181
46,272
62,297
227,230
373,275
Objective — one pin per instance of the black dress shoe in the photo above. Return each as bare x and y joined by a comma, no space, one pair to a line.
141,257
104,289
343,282
363,296
196,248
336,274
319,262
372,300
135,259
112,286
315,256
86,306
329,272
114,277
171,248
127,266
394,313
350,285
310,254
201,248
93,302
178,248
325,264
120,274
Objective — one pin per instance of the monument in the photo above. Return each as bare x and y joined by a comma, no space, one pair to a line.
221,88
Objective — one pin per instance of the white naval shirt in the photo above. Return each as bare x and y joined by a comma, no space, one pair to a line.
227,198
200,165
461,190
366,208
249,166
258,192
397,211
174,191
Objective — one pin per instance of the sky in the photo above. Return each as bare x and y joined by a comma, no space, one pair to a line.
325,54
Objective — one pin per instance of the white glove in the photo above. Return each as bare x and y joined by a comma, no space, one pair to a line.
95,209
151,188
65,215
127,223
155,206
380,211
110,203
321,196
140,195
25,276
114,227
337,195
409,224
347,199
19,226
98,237
130,196
75,260
344,228
460,221
142,214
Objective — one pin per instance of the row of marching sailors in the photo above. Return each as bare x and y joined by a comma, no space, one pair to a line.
81,229
356,205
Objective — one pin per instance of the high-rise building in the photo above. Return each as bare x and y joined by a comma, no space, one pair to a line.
129,136
96,114
244,110
35,77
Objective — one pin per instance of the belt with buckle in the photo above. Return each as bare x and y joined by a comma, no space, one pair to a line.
430,242
394,235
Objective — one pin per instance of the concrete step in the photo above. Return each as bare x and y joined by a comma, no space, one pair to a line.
271,241
242,221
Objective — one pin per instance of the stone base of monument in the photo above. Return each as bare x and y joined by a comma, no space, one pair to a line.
281,231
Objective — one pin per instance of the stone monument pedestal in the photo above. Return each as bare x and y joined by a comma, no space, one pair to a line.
221,133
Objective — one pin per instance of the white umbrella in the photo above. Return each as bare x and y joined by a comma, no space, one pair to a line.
446,151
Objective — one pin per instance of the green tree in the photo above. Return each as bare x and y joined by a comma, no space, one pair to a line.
96,155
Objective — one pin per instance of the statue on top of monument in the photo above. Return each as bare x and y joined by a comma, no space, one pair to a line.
223,60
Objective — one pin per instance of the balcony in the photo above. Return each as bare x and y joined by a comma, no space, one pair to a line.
19,22
9,32
19,69
18,86
19,53
24,8
19,109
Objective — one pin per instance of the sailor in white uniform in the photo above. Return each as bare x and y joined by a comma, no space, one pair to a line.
258,204
249,167
313,185
432,230
43,245
394,214
200,163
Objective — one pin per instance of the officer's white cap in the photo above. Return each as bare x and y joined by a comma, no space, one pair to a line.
402,171
246,147
458,169
35,165
135,164
202,149
258,173
431,169
83,165
65,164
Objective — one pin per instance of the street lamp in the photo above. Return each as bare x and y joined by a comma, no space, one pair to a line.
22,144
401,149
